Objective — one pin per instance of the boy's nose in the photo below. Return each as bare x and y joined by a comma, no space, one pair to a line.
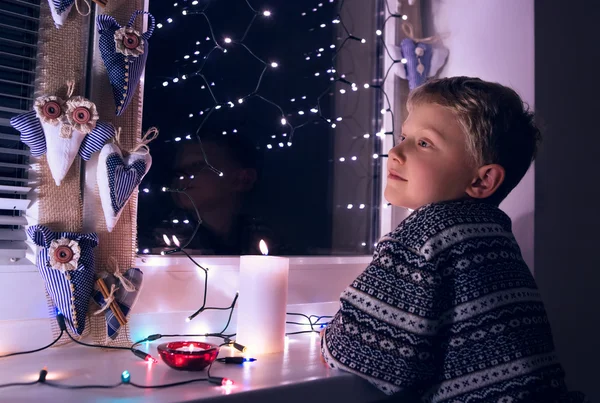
397,154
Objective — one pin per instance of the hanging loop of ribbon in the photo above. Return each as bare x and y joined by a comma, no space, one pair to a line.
408,30
87,4
142,144
127,285
70,88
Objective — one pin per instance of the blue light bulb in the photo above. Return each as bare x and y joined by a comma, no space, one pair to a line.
125,377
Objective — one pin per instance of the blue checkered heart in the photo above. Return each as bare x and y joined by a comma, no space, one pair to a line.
118,178
60,10
124,52
418,61
126,299
70,289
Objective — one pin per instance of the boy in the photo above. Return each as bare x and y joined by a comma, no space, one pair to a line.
448,311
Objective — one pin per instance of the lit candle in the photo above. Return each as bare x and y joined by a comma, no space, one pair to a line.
188,355
190,349
262,303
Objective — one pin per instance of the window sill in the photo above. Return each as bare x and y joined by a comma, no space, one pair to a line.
232,263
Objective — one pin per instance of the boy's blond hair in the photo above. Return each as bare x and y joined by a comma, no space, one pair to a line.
498,125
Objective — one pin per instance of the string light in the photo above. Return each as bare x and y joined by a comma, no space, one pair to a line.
268,13
316,110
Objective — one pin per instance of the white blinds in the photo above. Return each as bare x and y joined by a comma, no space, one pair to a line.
19,20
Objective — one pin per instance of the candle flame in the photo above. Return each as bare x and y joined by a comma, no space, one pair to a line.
167,240
262,245
191,348
176,241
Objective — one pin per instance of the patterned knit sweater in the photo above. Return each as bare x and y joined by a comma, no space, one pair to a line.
448,311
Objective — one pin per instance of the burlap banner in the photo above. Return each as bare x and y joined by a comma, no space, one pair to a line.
63,55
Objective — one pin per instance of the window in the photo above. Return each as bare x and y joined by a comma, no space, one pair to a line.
226,113
18,50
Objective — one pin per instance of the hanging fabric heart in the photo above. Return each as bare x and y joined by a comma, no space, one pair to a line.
62,129
420,58
60,10
125,290
124,52
119,175
66,264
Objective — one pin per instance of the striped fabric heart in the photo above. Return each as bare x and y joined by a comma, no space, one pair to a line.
127,286
418,61
60,10
118,178
51,130
66,263
124,52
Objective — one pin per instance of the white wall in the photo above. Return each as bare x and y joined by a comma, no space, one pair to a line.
172,289
493,40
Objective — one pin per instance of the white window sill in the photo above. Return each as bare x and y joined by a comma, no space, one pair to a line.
226,263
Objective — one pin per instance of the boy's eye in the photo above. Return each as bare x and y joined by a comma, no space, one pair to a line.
400,138
424,144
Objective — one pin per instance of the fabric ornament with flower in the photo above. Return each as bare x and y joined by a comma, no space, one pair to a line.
124,52
119,174
61,129
420,58
66,263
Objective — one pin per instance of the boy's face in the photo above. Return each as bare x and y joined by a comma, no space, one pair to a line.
430,162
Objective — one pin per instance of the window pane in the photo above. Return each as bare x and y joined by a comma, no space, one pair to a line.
280,108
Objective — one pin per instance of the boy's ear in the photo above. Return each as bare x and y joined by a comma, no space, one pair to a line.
487,180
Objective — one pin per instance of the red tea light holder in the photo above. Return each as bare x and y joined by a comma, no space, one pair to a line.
188,355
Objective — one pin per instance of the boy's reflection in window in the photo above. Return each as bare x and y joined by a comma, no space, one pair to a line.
222,201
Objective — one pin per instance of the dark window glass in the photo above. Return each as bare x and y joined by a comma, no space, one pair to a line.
289,138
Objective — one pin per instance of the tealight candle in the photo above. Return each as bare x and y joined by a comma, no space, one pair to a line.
188,355
191,348
262,304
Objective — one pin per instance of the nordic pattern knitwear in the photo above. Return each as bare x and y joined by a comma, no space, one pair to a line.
448,311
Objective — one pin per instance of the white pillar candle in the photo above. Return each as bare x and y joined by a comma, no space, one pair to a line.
262,303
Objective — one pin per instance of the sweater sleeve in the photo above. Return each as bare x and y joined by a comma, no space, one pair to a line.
386,326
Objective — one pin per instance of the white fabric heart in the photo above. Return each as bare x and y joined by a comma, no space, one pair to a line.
61,150
118,177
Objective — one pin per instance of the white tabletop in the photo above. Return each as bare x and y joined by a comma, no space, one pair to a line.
296,375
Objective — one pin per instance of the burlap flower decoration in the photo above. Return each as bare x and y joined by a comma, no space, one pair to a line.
129,42
64,254
82,114
49,109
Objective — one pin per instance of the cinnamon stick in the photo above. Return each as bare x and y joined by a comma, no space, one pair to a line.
114,306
